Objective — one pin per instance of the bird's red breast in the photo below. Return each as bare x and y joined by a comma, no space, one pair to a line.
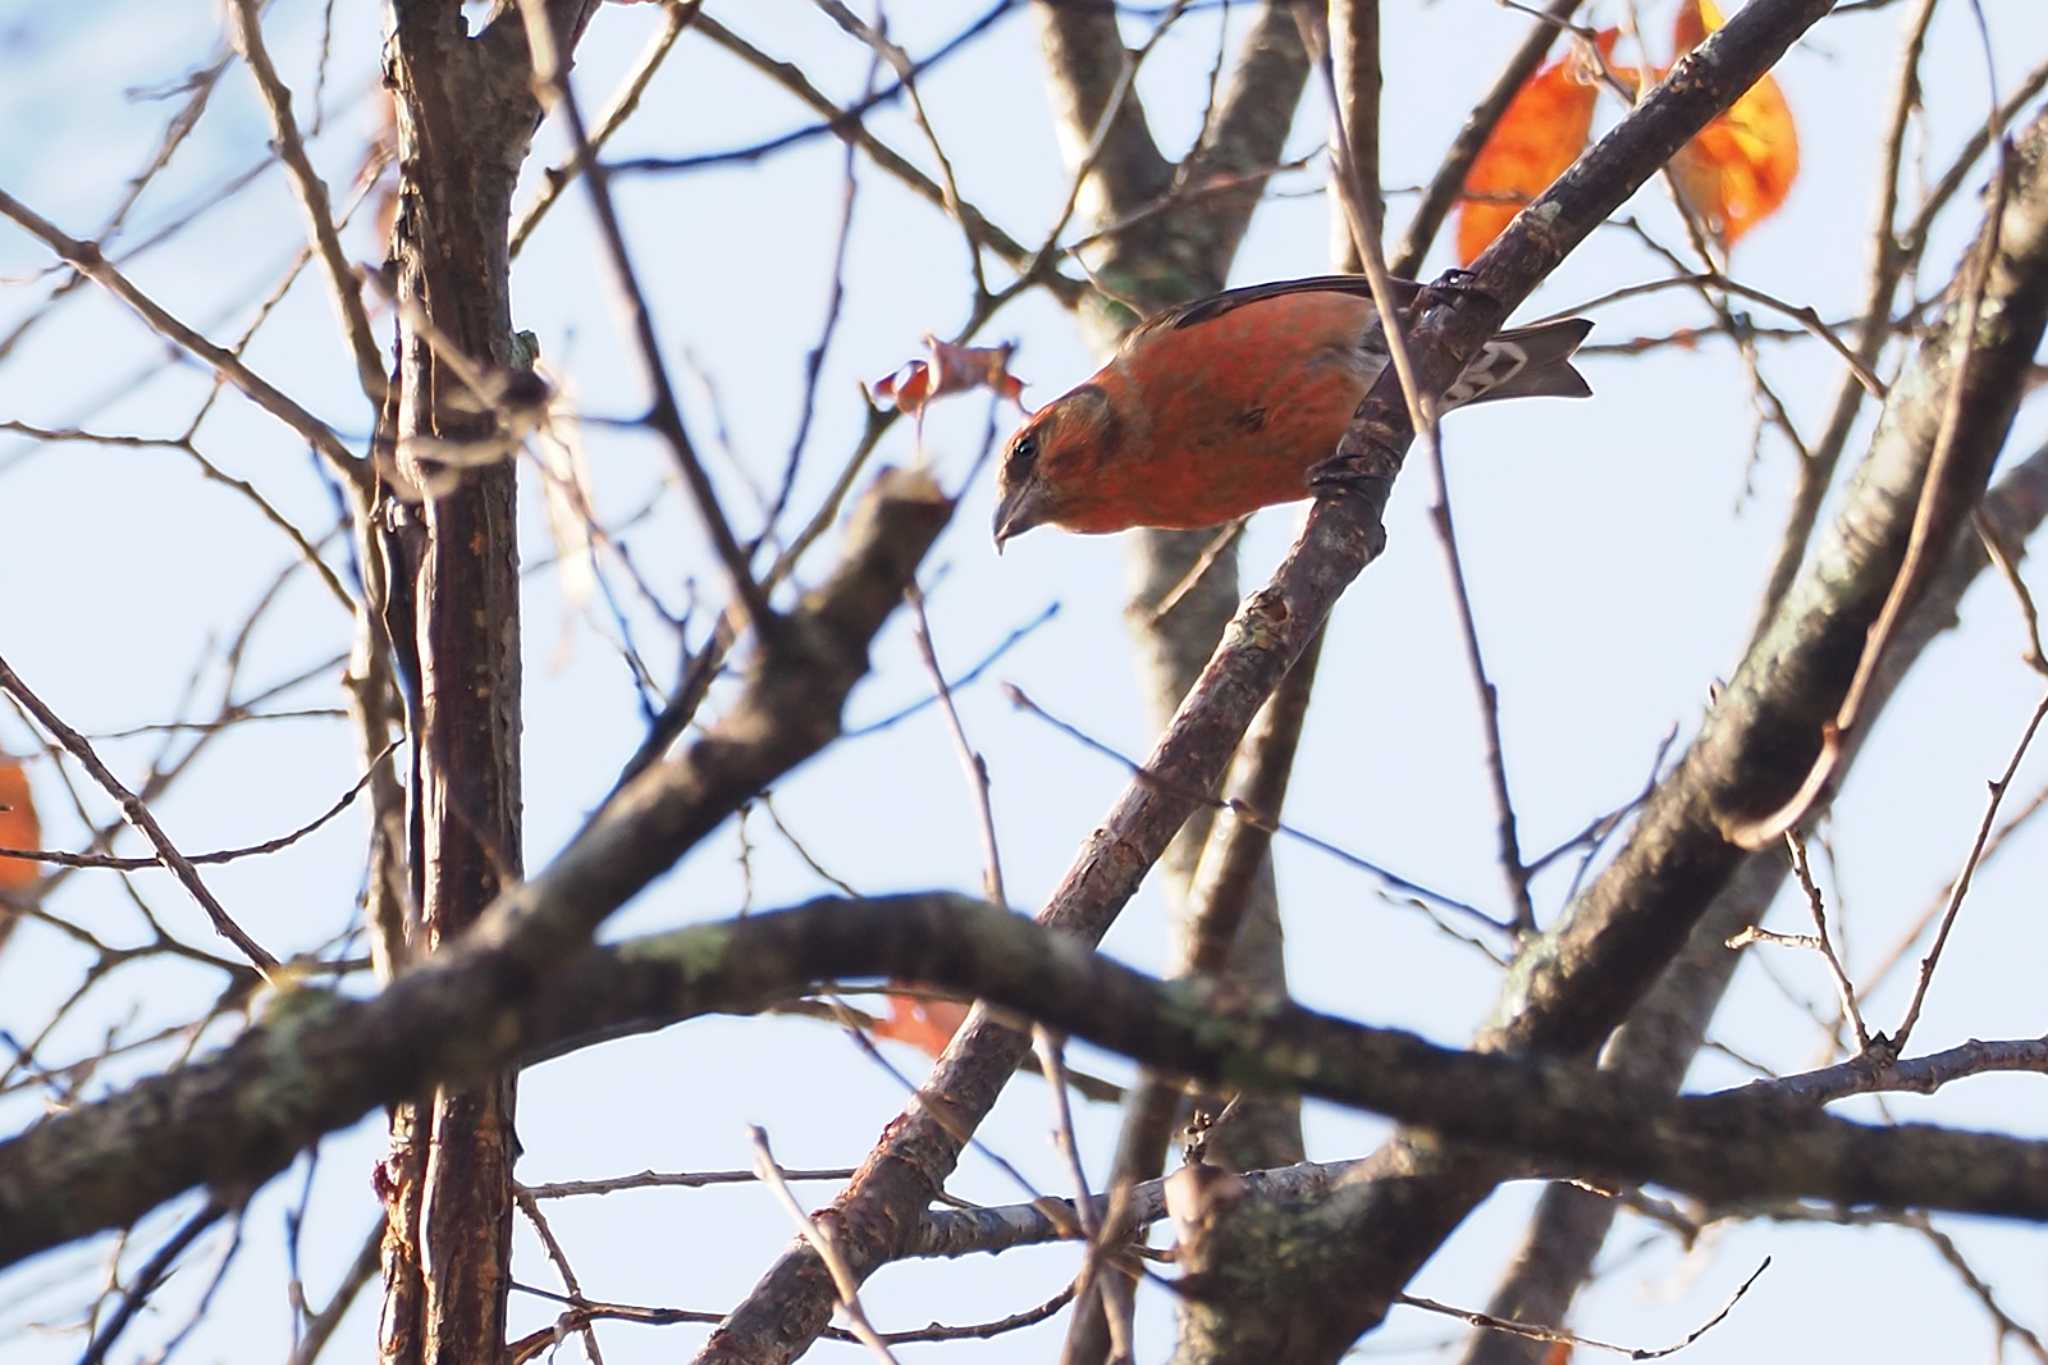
1232,410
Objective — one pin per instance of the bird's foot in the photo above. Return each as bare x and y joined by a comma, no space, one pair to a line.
1367,470
1452,288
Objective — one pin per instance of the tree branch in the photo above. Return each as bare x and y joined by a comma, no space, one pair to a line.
1441,195
321,1060
1342,535
311,192
85,257
1570,988
1184,252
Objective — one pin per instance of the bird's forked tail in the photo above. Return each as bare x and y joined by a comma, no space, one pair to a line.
1525,362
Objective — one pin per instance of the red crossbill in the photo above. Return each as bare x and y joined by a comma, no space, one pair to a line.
1221,406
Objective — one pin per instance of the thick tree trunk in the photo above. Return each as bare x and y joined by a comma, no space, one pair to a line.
465,116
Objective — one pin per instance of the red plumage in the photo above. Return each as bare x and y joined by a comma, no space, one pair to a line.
1222,406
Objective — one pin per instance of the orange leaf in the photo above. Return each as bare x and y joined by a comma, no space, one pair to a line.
1739,169
18,826
1691,25
948,369
925,1024
1540,135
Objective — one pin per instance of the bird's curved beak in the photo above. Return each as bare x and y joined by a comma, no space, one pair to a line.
1019,509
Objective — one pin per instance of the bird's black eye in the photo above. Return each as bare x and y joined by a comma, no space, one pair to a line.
1023,451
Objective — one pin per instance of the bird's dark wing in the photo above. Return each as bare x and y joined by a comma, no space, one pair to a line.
1215,305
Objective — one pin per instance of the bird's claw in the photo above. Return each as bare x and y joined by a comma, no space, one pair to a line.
1347,472
1452,288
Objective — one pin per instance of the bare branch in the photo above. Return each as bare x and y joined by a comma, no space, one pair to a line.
1441,195
1533,1332
1961,886
676,16
329,1058
136,813
664,416
85,257
820,1240
226,855
247,30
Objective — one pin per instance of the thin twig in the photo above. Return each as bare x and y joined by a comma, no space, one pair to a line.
847,124
981,666
1946,1248
767,803
899,62
1365,234
149,1277
137,815
695,683
676,17
1770,407
185,443
814,359
109,862
198,1312
656,1180
1098,141
1903,947
663,416
1914,236
319,1328
1359,202
1043,1042
1535,1332
1197,571
85,257
1919,552
200,85
1962,882
311,192
525,1199
1888,262
845,1284
976,767
1809,320
1844,988
1756,933
1260,819
1514,868
2008,568
1597,829
1878,1071
583,1310
1442,193
846,1016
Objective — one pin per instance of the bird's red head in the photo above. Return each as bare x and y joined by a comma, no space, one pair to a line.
1055,468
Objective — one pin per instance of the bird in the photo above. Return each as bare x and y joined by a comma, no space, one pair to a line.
1221,406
